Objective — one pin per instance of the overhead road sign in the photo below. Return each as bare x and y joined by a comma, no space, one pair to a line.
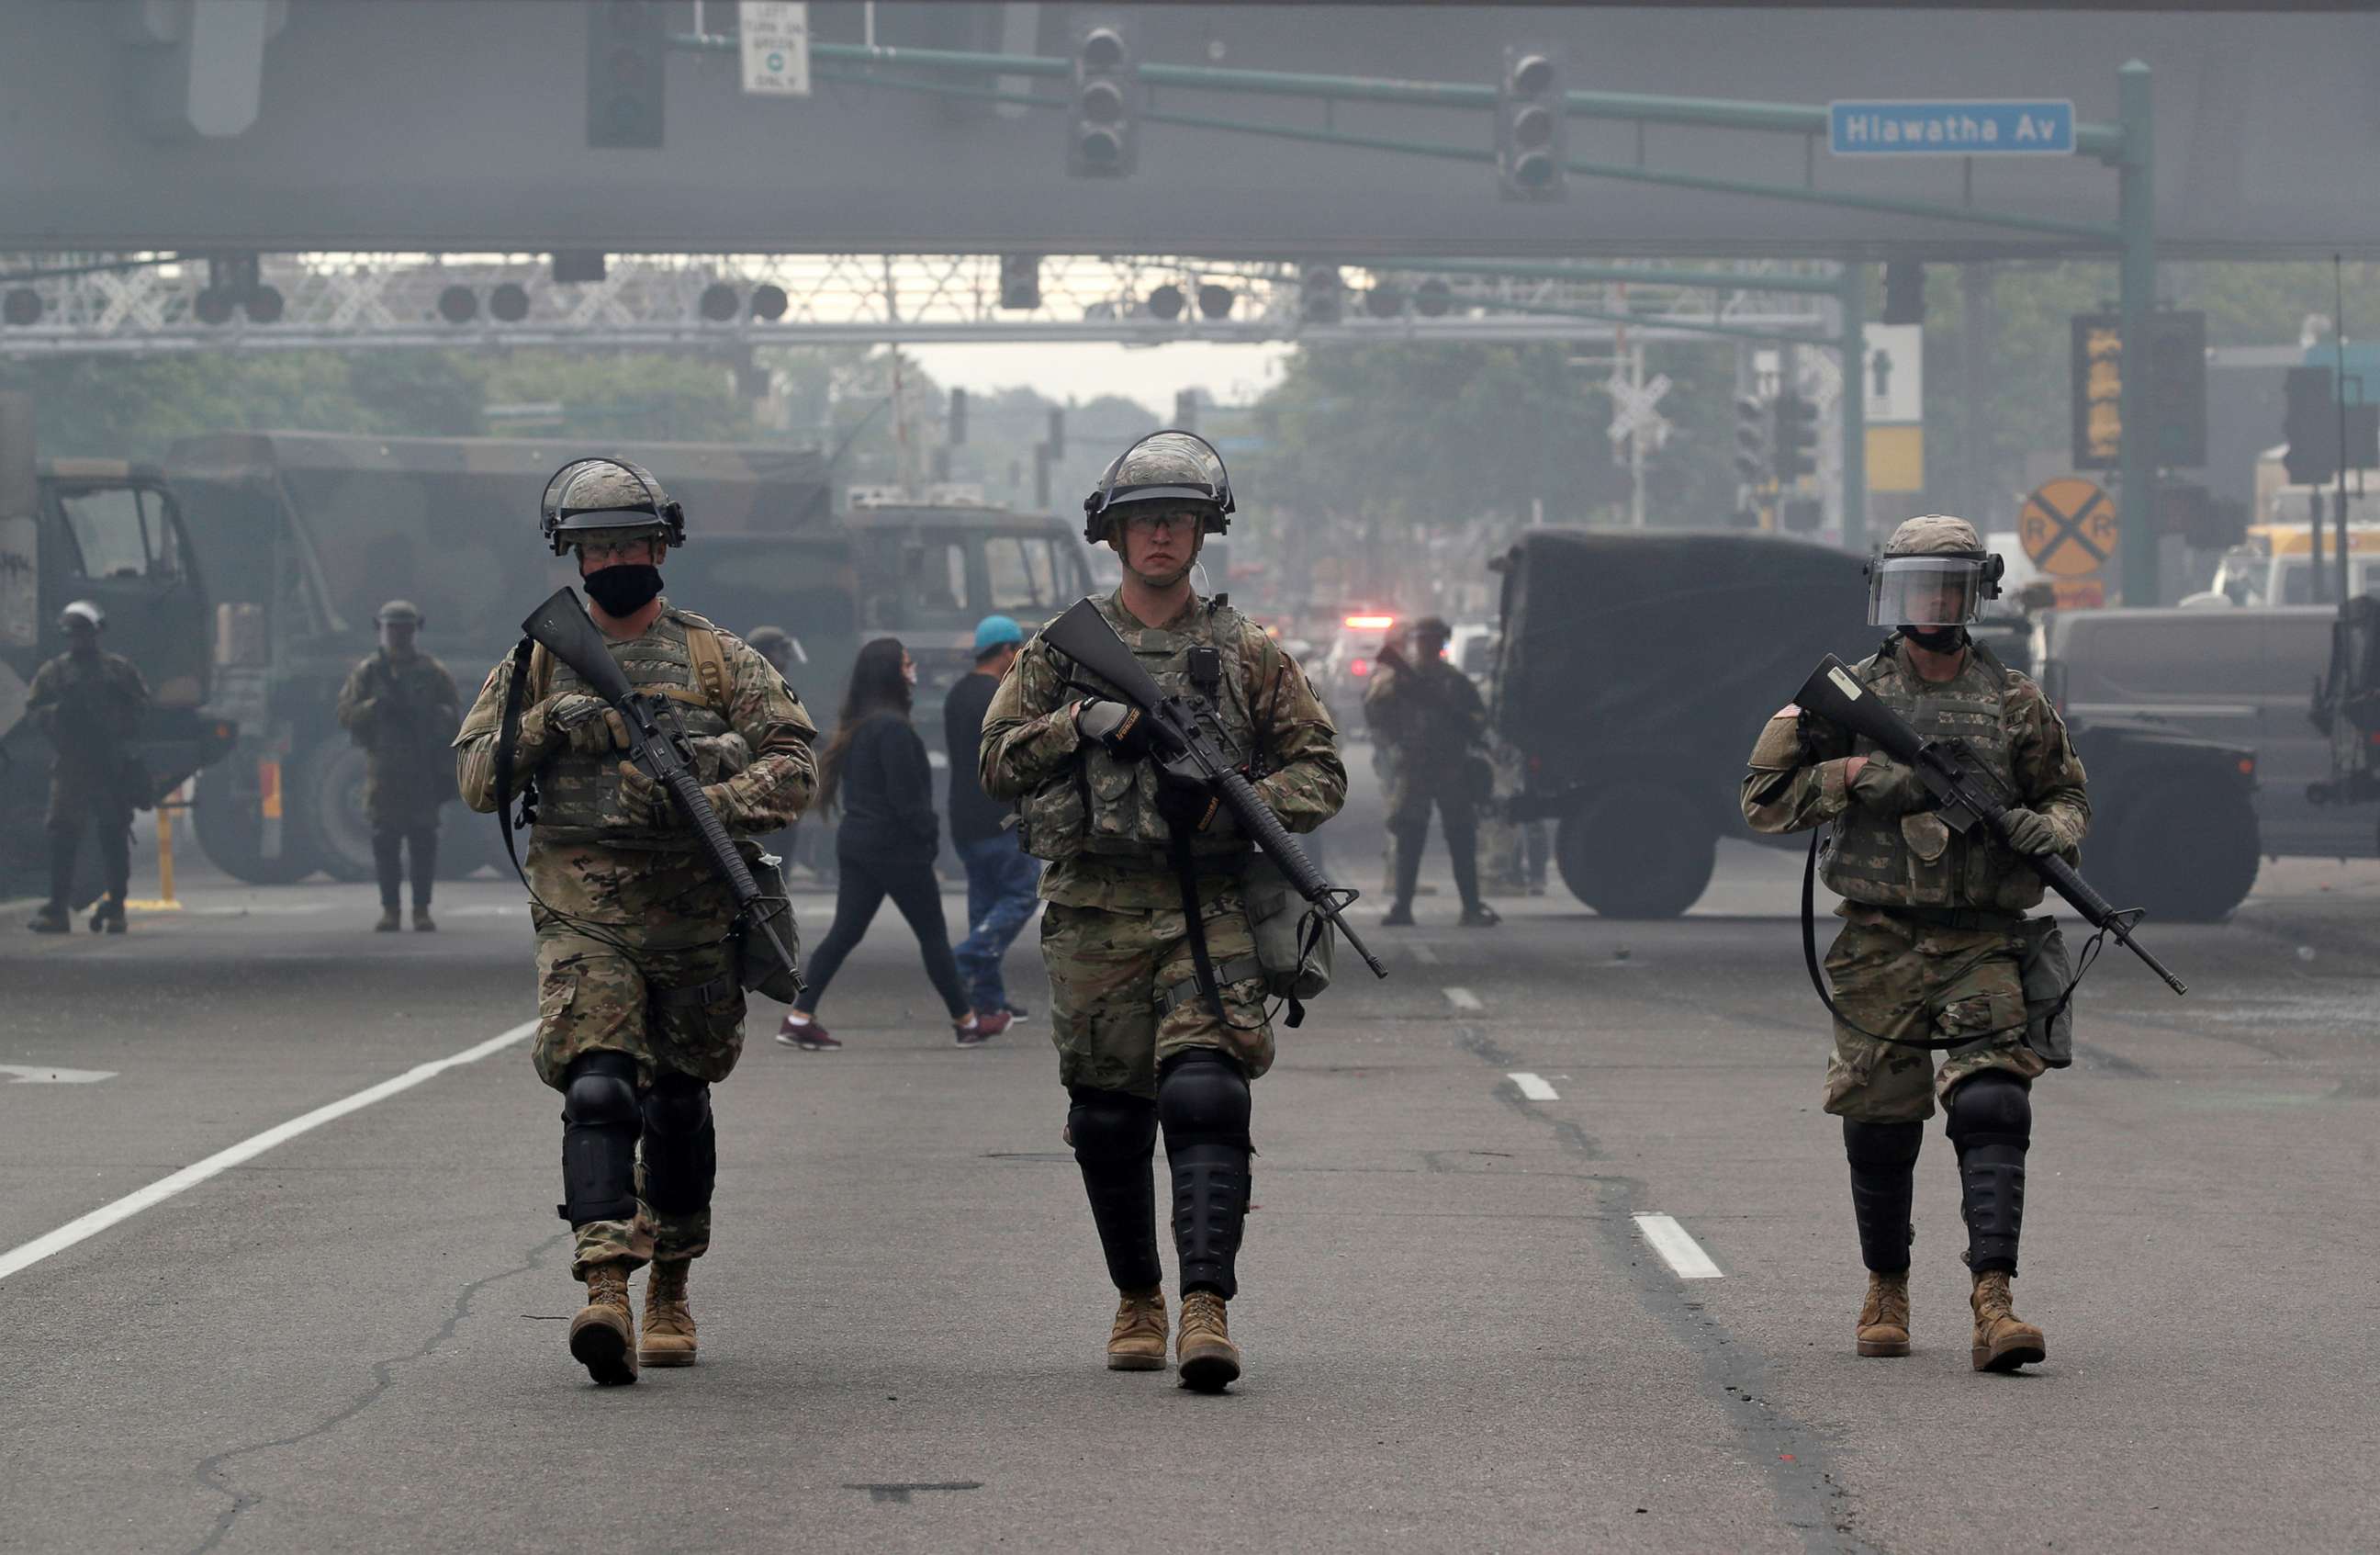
1951,127
775,39
2068,527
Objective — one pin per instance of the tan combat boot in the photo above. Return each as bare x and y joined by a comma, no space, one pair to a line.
668,1338
1137,1340
2003,1342
1884,1316
604,1335
1210,1362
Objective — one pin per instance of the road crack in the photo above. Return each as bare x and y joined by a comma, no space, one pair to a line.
210,1472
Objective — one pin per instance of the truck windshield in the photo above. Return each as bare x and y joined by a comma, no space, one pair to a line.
1025,576
122,532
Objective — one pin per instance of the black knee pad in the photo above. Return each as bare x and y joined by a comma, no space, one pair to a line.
1202,1098
1884,1180
1991,1107
1110,1125
600,1125
681,1145
1114,1136
1882,1146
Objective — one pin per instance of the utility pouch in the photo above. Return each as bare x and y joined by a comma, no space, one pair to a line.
756,967
1293,941
2048,975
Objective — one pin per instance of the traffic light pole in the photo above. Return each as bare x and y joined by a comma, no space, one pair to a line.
1852,403
2136,220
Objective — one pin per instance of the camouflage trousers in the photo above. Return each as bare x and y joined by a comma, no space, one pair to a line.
594,997
1108,971
1921,983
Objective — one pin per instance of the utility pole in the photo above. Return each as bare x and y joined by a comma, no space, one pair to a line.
1853,304
2136,220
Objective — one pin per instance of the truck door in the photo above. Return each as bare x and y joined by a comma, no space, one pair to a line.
124,549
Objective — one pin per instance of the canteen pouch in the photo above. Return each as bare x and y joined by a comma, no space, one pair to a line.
2048,975
1293,941
756,967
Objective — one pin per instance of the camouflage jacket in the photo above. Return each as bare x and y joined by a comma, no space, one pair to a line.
1797,780
769,793
402,712
87,708
1426,718
1032,754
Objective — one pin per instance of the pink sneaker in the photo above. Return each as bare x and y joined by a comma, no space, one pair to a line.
807,1035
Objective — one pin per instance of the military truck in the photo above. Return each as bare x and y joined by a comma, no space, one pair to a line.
110,532
306,534
1636,670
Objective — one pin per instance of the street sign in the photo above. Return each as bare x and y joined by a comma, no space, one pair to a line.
1951,127
776,43
2068,528
1892,374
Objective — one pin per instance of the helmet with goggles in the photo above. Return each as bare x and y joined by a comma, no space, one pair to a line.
1163,471
620,499
1933,572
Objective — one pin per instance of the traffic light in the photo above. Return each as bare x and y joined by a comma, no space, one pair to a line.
1020,280
627,48
1800,515
1103,126
1793,450
2177,389
1057,443
1531,129
1904,292
955,433
1751,439
1321,295
1185,409
2311,425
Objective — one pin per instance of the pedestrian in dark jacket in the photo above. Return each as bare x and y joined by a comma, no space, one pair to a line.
875,769
1004,880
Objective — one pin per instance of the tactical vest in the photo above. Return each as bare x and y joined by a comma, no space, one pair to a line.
1918,860
1108,809
678,658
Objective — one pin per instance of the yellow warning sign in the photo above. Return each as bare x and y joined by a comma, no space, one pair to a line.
2068,528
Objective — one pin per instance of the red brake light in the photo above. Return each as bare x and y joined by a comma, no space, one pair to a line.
1359,668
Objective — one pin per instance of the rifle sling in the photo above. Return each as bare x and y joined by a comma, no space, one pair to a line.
508,738
1194,923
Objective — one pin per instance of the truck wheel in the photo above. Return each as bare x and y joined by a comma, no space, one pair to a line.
1636,852
2184,853
232,832
328,796
467,840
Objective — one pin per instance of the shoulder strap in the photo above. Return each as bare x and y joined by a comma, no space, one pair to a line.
540,673
709,656
524,655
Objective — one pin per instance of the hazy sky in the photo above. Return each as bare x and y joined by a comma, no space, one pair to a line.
1151,374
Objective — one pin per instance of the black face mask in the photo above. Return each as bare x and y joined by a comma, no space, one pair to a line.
625,588
1936,639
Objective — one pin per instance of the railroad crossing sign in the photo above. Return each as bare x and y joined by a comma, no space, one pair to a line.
2068,528
1632,407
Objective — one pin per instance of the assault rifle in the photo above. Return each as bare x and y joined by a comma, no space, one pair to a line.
1967,793
1188,752
562,626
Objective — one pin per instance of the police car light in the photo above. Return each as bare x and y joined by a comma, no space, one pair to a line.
1370,623
1359,668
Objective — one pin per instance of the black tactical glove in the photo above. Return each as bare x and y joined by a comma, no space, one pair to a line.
1889,788
1121,731
1187,801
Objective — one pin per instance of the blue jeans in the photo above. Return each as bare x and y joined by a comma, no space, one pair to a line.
1003,881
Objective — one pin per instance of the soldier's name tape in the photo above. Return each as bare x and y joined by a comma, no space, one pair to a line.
19,1259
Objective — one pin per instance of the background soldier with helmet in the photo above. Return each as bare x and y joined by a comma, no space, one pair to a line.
401,706
87,703
639,1007
1430,723
1936,936
1144,1038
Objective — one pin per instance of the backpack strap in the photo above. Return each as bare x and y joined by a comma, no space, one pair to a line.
709,656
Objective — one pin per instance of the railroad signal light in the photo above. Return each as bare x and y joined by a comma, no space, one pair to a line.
2311,425
1532,127
1216,302
22,307
2175,366
1057,443
1321,295
1751,439
769,302
1385,301
1793,450
955,433
719,302
1433,298
509,302
459,304
1103,126
628,53
1020,280
1167,302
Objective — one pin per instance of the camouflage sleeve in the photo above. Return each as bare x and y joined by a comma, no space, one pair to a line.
2050,777
1305,782
1794,779
356,710
1029,730
775,790
475,743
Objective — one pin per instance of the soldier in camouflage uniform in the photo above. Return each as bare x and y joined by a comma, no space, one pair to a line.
1934,930
400,705
87,703
639,1009
1429,720
1140,1042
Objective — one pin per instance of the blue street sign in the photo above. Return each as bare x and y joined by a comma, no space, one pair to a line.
1950,127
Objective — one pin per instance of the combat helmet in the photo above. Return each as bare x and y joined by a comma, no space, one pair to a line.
1934,572
399,612
82,615
1177,469
611,495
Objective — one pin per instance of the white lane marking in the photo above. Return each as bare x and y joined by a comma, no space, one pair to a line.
43,1075
1680,1252
1533,1088
1426,954
156,1193
1462,999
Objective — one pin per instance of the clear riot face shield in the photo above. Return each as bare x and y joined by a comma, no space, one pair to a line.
1176,469
1934,590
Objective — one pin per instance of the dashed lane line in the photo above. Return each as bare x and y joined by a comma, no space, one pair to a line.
50,1074
21,1258
1533,1086
1462,999
1678,1250
1426,954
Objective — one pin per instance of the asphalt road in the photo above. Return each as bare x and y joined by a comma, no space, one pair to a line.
1458,1336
